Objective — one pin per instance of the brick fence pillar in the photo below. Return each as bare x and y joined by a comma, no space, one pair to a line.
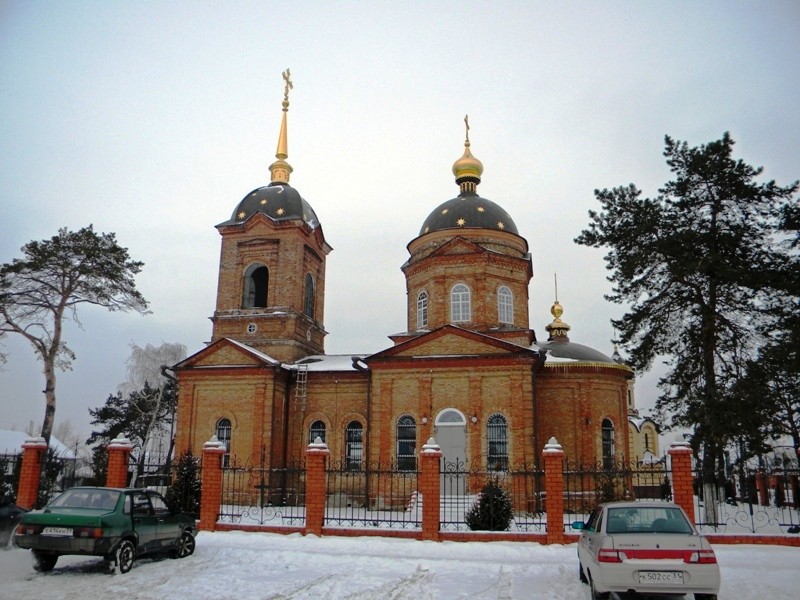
211,483
682,481
119,452
316,456
553,458
430,488
33,452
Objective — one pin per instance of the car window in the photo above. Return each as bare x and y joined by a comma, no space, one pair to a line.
159,505
126,509
594,518
648,519
141,505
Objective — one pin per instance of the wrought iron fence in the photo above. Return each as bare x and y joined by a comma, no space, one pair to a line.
764,501
586,486
372,496
461,489
256,494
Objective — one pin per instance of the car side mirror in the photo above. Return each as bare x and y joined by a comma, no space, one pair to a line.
579,525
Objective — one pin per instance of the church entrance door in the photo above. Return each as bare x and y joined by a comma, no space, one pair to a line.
451,435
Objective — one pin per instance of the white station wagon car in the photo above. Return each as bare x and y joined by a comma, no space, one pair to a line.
645,547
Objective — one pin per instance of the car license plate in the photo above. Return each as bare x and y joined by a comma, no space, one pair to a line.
57,531
668,577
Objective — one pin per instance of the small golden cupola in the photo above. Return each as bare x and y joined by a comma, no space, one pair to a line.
280,169
557,329
467,169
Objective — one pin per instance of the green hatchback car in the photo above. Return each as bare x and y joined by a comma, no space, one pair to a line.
117,524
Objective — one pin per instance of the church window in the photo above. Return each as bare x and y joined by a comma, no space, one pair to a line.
607,438
317,430
223,433
460,304
497,443
354,446
505,305
256,282
406,443
646,441
422,309
308,304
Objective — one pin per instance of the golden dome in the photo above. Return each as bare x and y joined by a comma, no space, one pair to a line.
467,168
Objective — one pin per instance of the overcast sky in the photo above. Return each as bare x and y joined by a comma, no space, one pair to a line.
153,120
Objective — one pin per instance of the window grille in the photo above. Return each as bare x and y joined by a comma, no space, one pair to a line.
406,444
497,443
317,430
607,436
223,433
354,446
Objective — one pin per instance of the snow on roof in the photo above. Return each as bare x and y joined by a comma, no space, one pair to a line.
250,349
11,444
330,362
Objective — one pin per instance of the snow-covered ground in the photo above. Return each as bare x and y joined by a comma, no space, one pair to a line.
262,566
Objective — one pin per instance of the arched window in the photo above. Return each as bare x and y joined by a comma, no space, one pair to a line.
308,302
354,446
607,436
505,305
459,304
317,430
422,309
223,433
256,282
406,443
497,443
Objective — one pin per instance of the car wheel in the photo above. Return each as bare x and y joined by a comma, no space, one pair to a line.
597,595
43,562
126,552
185,546
581,574
705,597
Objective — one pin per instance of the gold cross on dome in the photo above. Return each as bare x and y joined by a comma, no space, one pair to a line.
287,78
466,122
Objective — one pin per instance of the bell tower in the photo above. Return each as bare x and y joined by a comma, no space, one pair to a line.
271,286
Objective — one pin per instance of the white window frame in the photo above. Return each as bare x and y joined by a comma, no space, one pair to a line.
505,305
422,309
460,304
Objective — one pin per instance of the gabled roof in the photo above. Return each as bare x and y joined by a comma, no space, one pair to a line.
226,352
450,341
11,444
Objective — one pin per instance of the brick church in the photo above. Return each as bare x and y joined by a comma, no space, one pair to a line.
468,371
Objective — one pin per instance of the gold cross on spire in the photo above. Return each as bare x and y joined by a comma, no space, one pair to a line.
466,122
287,78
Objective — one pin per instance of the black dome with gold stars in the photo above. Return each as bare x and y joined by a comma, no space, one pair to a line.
278,201
469,210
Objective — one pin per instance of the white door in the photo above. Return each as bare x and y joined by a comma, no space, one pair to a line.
451,435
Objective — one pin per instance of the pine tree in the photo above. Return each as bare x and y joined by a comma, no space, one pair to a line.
184,493
699,267
492,510
45,287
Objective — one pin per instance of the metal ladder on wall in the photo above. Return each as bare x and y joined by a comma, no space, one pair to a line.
300,389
